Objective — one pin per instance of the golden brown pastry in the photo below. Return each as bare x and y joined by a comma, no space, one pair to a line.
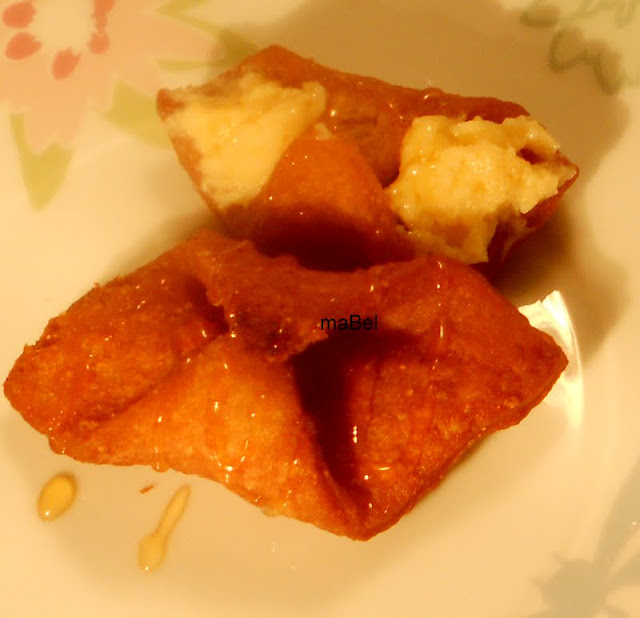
343,170
218,361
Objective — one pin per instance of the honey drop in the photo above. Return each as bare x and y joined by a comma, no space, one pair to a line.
56,496
153,547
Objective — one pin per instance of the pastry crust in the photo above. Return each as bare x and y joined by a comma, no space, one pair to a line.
214,360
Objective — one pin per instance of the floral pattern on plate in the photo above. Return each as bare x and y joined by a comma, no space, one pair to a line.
601,34
62,58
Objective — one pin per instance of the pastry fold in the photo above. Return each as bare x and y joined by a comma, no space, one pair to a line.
217,361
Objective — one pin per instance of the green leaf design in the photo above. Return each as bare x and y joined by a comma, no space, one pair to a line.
42,172
568,48
135,113
236,47
542,14
180,9
600,34
176,66
629,572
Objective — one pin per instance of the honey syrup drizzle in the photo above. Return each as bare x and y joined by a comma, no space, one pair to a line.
153,547
56,496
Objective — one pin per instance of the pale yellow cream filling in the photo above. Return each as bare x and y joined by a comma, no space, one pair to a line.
459,179
242,133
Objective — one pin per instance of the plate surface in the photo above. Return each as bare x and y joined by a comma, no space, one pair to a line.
541,521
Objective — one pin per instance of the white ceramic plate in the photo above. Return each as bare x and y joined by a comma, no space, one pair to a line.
541,520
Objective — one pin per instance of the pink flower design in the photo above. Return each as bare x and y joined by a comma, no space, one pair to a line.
59,58
20,15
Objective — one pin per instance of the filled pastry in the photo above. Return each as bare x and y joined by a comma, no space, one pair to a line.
344,171
337,398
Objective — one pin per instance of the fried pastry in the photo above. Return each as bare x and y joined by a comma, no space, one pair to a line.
260,374
344,170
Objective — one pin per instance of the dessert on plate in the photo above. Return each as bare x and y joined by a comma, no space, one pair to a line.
219,361
290,154
335,354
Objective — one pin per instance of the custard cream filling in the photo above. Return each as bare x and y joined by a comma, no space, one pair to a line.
459,179
241,134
